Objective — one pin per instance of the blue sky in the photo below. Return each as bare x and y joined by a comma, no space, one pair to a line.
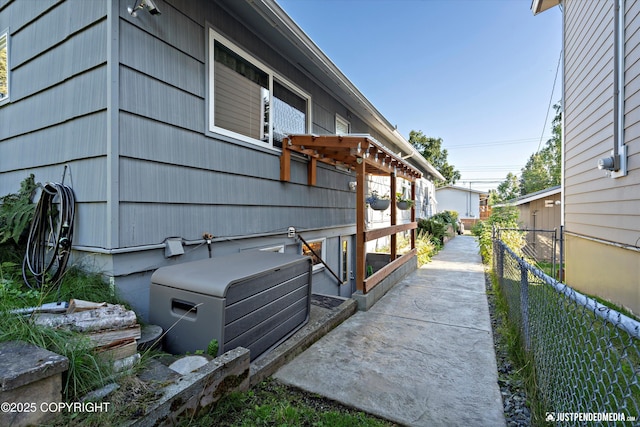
477,73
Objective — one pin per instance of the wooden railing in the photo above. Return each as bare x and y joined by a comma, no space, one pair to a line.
396,261
365,284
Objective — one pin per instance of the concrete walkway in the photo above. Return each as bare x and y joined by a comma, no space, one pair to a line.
422,356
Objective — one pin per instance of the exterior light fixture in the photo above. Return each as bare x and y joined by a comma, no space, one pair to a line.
149,4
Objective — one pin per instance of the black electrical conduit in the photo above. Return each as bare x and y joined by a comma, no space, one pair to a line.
50,236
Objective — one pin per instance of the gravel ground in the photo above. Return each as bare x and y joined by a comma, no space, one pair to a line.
514,398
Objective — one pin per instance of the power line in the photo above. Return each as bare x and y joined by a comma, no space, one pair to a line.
555,79
493,143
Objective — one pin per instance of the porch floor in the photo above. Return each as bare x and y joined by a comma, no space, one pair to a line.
423,355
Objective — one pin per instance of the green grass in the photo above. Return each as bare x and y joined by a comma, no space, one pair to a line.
86,371
509,332
273,404
576,361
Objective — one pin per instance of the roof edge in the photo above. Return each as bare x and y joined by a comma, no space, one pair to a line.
539,6
302,39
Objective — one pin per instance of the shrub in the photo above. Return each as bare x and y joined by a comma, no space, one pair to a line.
425,248
438,225
16,211
502,217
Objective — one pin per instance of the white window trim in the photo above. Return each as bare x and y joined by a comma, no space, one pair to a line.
323,252
279,249
344,121
5,34
214,36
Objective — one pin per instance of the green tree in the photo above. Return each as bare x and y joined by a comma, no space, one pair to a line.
507,190
431,149
552,152
544,168
535,175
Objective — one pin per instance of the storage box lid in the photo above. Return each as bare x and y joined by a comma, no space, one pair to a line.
213,276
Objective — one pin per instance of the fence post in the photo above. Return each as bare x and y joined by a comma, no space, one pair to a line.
500,259
561,266
524,304
554,249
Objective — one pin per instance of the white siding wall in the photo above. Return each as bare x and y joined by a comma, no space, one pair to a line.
452,199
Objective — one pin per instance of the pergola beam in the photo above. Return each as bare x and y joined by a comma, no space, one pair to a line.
365,156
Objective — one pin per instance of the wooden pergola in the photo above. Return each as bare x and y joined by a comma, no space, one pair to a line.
365,156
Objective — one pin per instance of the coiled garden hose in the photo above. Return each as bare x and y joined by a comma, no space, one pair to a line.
50,236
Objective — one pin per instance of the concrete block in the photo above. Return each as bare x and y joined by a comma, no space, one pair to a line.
29,377
366,301
199,389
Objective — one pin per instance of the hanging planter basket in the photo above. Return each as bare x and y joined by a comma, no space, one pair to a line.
403,206
380,204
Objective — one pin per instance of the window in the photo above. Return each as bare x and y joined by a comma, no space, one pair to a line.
315,250
343,127
4,66
250,102
289,113
345,261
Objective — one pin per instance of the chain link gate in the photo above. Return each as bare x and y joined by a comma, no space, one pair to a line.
586,356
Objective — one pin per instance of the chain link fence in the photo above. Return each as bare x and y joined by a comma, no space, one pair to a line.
542,247
586,356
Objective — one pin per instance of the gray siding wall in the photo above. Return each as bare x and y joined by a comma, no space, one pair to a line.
56,113
133,134
596,205
121,101
175,180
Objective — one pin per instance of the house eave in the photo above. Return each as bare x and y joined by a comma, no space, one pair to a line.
293,42
464,189
539,6
548,192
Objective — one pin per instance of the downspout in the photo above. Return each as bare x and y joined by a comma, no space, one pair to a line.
617,163
562,129
619,147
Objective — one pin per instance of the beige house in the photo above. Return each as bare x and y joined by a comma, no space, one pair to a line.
540,210
539,213
601,154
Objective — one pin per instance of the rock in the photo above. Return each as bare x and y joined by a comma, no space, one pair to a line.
188,364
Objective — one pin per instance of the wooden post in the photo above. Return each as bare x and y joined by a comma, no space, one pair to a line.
360,226
413,214
285,161
394,217
311,171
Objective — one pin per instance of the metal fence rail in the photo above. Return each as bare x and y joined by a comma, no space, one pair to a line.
543,247
586,356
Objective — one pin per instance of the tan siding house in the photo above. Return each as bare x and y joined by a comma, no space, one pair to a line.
601,158
540,213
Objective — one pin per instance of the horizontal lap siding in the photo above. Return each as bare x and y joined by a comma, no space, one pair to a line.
56,114
588,105
629,200
75,140
175,180
596,205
